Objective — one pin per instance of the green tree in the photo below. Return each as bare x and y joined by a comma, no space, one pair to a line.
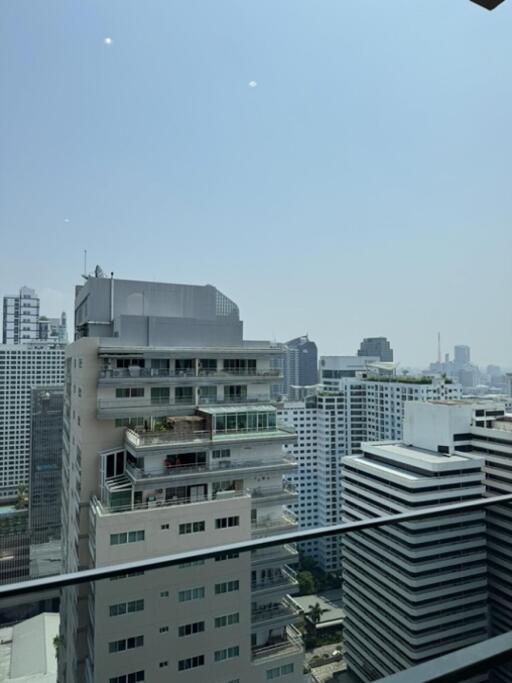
306,582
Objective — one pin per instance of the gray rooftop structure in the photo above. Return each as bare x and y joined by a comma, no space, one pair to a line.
156,314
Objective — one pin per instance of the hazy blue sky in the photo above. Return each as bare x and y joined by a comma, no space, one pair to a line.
363,187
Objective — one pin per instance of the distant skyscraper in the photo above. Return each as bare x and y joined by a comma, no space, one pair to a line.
298,361
376,346
46,464
461,355
22,368
21,317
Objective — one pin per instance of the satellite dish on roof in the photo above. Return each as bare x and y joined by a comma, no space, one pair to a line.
98,272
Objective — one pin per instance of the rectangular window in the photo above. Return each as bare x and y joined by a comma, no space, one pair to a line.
227,587
279,671
221,453
130,392
225,522
190,663
127,537
227,620
190,629
125,607
192,527
164,629
194,563
128,678
191,594
126,644
227,653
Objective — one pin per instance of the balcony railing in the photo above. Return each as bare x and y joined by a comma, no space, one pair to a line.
269,613
136,372
178,470
104,508
285,522
286,577
163,438
117,404
291,643
287,490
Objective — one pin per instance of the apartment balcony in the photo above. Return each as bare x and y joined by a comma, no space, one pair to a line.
279,555
274,614
111,376
170,439
114,408
281,495
282,583
102,508
274,648
268,526
219,469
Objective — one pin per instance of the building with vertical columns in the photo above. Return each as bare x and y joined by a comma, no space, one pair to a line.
171,444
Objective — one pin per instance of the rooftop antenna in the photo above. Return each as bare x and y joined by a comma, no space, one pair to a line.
84,274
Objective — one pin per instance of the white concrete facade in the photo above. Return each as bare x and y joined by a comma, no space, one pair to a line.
22,368
171,449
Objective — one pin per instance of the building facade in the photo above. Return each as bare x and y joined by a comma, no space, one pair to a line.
171,444
20,317
22,367
376,346
416,590
46,463
298,361
359,399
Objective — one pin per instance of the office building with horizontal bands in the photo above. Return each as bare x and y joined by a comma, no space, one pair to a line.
479,429
22,367
416,590
171,444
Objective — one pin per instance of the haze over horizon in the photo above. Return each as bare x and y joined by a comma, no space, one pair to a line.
353,184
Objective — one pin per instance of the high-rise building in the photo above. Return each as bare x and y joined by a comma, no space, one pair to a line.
44,491
298,361
376,346
23,324
302,417
21,317
416,590
359,399
461,356
171,444
22,368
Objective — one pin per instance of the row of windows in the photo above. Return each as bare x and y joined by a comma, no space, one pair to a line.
126,537
197,527
279,671
126,607
126,644
128,678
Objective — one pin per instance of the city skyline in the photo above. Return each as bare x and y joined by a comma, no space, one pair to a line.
368,142
54,302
